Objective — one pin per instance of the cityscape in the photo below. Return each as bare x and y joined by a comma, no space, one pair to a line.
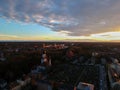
59,45
59,66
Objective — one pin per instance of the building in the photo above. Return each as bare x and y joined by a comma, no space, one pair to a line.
3,84
2,58
84,86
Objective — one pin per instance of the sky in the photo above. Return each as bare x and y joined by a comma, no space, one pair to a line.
60,20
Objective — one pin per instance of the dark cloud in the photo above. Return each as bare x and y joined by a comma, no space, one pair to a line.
80,17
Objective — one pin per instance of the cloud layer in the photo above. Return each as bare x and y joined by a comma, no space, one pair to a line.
74,17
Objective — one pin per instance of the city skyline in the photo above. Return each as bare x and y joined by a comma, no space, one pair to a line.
60,20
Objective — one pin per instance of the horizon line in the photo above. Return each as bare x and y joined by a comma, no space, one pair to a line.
59,41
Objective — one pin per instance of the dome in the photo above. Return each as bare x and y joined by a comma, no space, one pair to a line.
116,87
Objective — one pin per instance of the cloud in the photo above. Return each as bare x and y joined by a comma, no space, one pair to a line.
63,32
79,17
9,37
106,36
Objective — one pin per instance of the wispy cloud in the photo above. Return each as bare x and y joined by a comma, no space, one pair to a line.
13,36
9,37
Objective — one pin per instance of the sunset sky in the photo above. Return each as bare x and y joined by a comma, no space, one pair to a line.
60,20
